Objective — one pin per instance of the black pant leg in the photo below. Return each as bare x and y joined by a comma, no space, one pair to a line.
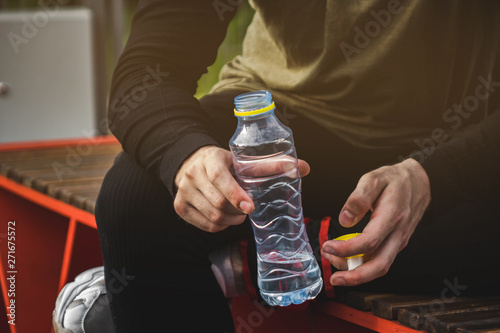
156,265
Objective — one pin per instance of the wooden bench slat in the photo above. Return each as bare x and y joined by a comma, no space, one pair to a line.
12,169
449,323
9,162
363,301
89,204
72,174
36,179
67,195
25,160
53,186
491,329
388,307
85,200
62,156
415,317
39,179
43,184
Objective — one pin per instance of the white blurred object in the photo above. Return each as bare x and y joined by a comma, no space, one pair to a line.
227,266
82,306
47,74
354,262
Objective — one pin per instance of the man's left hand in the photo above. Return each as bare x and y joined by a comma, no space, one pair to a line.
398,196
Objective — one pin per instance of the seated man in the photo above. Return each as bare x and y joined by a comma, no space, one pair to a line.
394,108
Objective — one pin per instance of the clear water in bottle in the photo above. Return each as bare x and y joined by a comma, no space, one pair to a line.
265,163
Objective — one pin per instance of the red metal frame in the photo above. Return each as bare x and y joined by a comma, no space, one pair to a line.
60,251
68,249
365,319
47,202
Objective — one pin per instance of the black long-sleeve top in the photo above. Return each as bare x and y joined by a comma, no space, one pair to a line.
159,123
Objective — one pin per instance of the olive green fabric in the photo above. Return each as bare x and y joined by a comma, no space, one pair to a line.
378,73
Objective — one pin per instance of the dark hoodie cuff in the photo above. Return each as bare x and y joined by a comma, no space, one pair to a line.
180,150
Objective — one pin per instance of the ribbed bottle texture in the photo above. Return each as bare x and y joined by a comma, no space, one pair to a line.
265,163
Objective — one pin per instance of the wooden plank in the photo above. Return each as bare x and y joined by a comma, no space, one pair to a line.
87,202
28,178
84,201
89,205
61,151
77,182
22,155
77,197
11,168
388,307
12,163
491,329
363,301
415,317
43,184
48,161
449,323
40,178
53,186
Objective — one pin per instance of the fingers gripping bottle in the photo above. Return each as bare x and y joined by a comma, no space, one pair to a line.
265,163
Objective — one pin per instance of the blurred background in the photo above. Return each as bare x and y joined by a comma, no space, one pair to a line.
57,58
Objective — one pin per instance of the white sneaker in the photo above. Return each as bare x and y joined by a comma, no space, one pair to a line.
82,305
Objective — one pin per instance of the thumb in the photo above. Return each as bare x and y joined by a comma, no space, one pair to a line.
304,168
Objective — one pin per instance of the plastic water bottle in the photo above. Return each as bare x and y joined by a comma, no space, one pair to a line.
265,163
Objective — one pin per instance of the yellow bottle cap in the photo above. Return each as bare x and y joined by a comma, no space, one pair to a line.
356,260
254,112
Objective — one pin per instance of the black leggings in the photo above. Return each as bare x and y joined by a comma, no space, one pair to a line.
157,268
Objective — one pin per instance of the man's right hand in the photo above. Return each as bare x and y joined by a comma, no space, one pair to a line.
208,195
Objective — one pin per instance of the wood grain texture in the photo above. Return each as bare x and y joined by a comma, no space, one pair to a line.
363,301
415,317
450,323
492,329
388,307
72,174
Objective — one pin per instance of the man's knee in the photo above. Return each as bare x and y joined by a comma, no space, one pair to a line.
130,192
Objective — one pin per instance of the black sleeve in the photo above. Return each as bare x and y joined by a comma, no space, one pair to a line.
152,111
466,168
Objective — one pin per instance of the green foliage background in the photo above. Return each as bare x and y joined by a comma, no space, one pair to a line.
230,48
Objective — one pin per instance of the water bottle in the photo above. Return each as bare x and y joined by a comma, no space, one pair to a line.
265,164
